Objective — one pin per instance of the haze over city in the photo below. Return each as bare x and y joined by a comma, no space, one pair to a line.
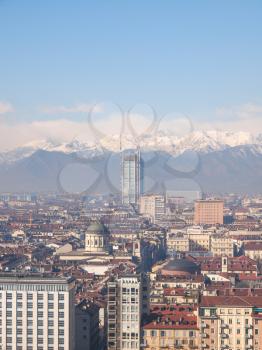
130,175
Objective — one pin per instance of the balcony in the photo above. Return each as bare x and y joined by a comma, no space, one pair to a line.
249,336
224,325
224,335
204,335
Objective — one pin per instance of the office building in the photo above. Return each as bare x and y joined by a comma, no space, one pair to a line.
153,206
132,177
124,313
208,212
36,312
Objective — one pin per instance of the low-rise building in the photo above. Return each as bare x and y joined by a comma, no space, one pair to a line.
171,328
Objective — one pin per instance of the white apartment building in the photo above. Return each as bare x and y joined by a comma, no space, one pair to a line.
36,312
124,313
153,206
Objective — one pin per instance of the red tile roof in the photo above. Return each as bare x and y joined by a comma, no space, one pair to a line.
230,301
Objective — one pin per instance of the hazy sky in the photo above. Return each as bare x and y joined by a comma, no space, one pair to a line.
198,57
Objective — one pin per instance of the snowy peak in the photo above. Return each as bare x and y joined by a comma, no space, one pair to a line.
209,141
197,141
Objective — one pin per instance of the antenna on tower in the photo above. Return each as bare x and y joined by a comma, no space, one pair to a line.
120,143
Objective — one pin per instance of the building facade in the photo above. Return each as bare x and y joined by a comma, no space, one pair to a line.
222,245
230,322
87,326
124,313
209,212
132,177
153,206
36,312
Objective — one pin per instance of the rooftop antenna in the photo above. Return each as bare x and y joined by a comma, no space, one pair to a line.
120,143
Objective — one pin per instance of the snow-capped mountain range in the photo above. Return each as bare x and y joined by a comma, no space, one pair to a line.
225,162
198,141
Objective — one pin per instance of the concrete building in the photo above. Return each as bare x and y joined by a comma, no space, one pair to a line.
153,206
87,326
132,177
208,212
124,313
37,312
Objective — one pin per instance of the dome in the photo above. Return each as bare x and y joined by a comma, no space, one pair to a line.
181,266
97,228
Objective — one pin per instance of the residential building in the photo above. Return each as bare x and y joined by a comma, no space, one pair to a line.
228,322
208,212
153,207
124,313
253,250
37,312
87,326
171,328
222,245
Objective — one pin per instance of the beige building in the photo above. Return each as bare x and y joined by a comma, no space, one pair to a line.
222,245
253,250
208,212
177,242
177,330
199,242
152,206
36,312
231,322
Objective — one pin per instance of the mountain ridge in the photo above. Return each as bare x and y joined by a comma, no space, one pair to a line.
201,142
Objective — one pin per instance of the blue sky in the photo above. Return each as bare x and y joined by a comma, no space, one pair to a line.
199,57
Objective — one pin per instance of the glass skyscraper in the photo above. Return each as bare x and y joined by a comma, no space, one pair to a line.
132,177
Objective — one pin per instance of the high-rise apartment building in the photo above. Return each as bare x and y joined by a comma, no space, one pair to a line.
36,312
124,313
209,212
132,177
153,206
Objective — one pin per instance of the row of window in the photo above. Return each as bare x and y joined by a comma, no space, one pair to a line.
19,296
30,331
34,287
154,333
29,305
29,322
50,314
